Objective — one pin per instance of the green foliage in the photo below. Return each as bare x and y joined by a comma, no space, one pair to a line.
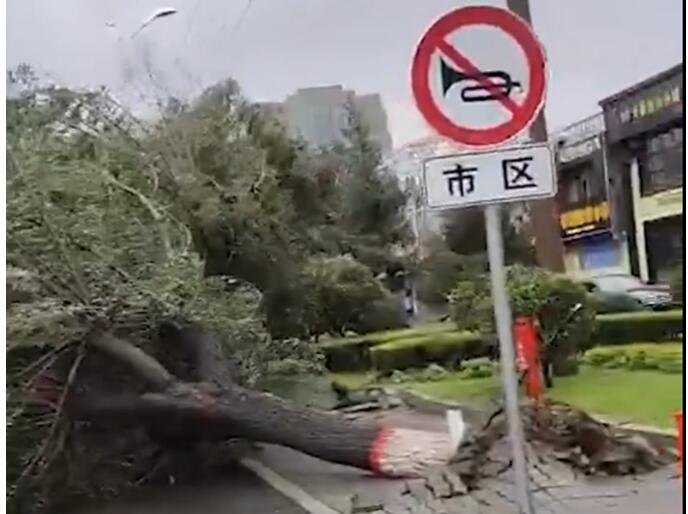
466,300
624,328
294,357
384,314
481,367
340,290
441,270
533,292
443,348
353,353
207,214
667,358
347,355
464,234
432,373
101,233
331,295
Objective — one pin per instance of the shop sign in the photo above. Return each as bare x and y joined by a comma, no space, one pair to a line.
638,111
585,219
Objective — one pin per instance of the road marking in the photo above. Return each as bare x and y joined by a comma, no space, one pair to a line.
287,488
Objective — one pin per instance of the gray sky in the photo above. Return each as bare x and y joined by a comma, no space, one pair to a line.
594,47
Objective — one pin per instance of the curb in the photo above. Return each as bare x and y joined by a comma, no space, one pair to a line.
430,405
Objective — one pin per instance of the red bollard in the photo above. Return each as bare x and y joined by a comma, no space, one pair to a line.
679,443
525,336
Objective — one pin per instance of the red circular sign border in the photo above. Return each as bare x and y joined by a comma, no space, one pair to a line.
517,29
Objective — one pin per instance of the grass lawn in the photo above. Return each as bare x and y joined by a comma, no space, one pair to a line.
645,397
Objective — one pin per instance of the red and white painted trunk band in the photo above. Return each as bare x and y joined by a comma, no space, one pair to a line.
402,452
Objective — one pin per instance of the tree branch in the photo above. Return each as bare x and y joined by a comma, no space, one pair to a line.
139,361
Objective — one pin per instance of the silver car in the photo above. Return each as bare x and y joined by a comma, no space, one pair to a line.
651,296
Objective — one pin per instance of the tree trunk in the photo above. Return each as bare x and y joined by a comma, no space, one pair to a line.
200,402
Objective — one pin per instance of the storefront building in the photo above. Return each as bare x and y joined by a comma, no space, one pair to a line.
590,245
644,131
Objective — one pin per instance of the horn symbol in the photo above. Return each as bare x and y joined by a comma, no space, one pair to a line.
502,86
450,76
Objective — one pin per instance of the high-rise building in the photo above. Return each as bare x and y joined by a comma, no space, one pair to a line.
319,115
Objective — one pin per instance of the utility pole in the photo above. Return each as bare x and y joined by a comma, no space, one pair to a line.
544,220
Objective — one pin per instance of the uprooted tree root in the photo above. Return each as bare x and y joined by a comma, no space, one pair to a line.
558,433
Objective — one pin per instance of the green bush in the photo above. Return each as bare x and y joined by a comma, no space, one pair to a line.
535,293
440,270
353,354
640,356
481,367
384,314
625,328
347,355
416,352
466,305
340,292
433,373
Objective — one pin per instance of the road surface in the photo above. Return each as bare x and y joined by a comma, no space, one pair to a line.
239,492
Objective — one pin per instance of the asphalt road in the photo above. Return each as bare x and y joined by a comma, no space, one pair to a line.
238,492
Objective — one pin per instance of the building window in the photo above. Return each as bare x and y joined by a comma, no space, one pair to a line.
662,166
579,186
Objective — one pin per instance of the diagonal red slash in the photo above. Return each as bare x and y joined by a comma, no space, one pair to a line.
465,64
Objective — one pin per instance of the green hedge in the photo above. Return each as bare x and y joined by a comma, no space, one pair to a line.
629,327
417,352
667,358
442,343
353,353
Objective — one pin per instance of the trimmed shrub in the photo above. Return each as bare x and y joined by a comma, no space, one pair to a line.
347,355
626,328
481,367
353,354
642,356
416,352
432,373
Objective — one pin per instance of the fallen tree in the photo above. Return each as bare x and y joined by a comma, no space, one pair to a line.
199,401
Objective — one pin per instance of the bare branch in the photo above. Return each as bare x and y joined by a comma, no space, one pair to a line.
139,361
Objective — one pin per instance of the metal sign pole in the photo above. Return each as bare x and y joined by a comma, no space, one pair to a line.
502,311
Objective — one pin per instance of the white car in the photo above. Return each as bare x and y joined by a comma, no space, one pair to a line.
652,296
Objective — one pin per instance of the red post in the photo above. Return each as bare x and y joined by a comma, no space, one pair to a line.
679,443
525,336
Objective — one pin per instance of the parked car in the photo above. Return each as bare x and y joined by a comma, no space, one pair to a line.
621,292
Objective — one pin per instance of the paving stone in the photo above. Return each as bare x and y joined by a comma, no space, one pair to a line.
418,489
438,485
